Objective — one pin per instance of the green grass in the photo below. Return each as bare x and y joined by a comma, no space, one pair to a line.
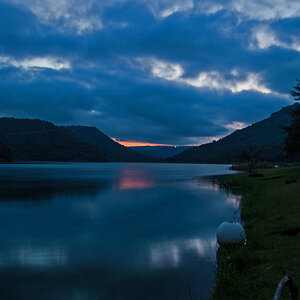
269,207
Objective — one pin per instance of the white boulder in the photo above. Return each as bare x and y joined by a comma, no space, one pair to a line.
231,233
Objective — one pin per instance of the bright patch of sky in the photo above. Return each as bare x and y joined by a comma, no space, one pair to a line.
210,80
235,125
30,63
264,37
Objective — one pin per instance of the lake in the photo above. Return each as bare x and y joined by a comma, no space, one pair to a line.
109,230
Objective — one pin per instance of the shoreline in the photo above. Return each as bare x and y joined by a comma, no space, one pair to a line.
270,212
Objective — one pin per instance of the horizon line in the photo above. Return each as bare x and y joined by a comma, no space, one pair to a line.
144,144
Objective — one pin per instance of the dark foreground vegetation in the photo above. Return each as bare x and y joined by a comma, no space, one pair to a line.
270,211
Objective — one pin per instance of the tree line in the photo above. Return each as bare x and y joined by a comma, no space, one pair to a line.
292,140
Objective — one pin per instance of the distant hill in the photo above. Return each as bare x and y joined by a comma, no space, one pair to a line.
36,140
113,150
160,151
5,153
266,135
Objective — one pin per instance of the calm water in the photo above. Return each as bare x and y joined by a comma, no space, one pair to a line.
109,231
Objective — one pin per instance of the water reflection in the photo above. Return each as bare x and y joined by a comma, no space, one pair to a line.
136,179
233,200
203,247
34,256
212,184
196,185
171,253
133,183
165,254
109,231
47,190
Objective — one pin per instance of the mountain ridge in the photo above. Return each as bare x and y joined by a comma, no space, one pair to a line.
38,140
114,151
266,135
160,151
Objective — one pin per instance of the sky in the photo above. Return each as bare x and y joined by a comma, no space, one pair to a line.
165,72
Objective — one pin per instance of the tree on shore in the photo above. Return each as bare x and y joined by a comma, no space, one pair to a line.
292,140
250,155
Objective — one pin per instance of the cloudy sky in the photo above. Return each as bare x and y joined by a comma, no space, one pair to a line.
175,72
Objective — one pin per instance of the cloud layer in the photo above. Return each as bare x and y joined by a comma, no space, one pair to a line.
167,72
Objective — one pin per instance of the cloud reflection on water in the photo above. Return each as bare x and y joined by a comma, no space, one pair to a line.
34,256
139,226
196,185
171,253
233,200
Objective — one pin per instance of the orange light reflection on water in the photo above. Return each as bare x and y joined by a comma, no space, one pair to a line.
135,183
135,179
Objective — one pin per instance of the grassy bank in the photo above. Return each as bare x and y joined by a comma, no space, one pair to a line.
271,215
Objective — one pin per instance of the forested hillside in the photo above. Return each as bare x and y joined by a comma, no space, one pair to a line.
113,150
36,140
160,151
266,138
5,153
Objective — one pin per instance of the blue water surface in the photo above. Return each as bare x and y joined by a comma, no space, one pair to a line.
109,230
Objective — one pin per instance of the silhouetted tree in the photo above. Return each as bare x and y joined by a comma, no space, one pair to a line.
250,155
292,140
296,92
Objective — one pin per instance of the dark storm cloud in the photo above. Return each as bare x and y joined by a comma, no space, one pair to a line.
174,72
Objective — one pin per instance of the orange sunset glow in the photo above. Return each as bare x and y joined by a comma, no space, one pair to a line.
137,144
